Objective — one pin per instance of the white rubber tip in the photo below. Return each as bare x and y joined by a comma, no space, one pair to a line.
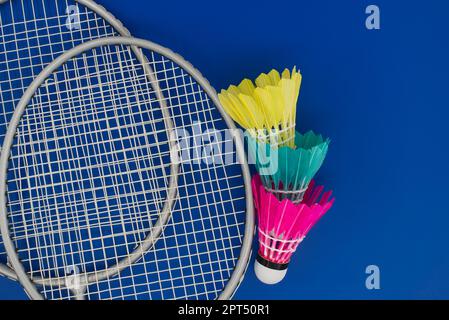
267,275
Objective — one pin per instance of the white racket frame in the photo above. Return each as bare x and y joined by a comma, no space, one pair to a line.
137,44
120,29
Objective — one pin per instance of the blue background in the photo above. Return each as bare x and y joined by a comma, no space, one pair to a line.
380,95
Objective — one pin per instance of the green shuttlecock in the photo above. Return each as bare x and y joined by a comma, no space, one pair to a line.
286,172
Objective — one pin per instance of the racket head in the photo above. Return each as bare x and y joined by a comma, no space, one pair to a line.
230,262
32,34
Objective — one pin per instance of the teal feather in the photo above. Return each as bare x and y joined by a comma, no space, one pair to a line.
295,168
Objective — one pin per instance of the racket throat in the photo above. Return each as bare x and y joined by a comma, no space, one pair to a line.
80,292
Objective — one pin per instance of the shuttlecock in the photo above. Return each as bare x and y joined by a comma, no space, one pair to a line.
286,172
283,225
268,108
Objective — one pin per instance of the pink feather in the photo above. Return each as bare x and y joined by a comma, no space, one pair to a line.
283,224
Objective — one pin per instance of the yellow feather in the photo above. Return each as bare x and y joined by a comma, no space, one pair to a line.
268,106
229,108
264,99
277,104
275,77
247,87
233,90
286,74
241,111
263,80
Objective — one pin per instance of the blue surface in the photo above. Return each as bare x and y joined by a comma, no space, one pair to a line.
382,98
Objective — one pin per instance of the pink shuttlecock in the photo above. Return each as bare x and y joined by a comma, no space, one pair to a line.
282,227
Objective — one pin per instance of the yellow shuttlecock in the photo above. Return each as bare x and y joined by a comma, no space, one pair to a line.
268,109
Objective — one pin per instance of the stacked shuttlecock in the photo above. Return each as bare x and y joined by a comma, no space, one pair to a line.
268,109
282,227
285,171
287,202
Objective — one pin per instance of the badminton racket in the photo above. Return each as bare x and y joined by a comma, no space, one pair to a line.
32,34
122,178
